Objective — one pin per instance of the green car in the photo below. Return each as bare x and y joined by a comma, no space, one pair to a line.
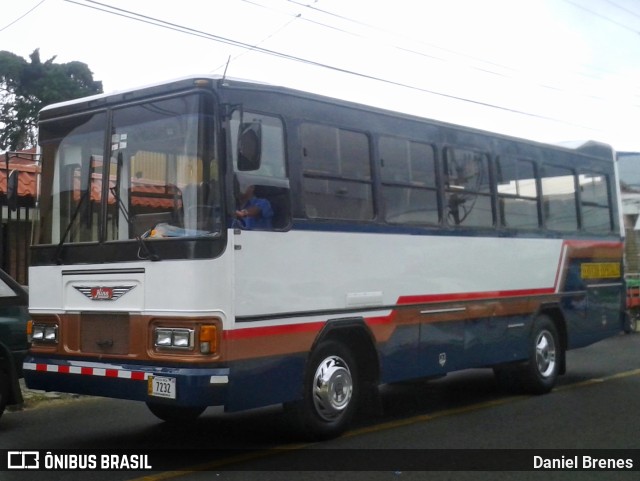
14,340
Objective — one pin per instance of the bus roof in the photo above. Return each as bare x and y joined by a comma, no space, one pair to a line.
587,147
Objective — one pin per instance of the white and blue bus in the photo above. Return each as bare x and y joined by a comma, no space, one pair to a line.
385,248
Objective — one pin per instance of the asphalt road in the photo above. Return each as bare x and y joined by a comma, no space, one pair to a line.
595,406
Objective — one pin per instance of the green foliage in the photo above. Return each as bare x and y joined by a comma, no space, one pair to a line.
26,87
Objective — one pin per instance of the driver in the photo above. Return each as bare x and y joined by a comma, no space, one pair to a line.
255,213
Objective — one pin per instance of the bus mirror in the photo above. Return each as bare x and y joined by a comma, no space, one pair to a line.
249,146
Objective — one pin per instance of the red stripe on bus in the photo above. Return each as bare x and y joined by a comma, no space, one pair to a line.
473,296
273,330
253,332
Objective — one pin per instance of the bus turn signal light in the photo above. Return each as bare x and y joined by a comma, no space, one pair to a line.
29,330
208,339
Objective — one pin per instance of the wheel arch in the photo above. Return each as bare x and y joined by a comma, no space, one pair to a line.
356,336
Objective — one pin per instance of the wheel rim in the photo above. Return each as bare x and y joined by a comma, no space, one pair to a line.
545,354
332,388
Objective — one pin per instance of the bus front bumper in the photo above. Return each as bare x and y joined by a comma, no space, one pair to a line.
181,386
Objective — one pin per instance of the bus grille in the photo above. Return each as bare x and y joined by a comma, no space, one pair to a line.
104,333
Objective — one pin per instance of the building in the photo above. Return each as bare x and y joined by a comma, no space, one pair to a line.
629,171
16,213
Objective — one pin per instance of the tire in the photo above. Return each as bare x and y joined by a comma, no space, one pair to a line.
632,321
175,414
537,375
4,391
540,374
331,392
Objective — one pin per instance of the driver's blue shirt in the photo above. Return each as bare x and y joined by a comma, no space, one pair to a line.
263,221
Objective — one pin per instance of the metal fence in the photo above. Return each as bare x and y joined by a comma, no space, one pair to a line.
17,206
15,238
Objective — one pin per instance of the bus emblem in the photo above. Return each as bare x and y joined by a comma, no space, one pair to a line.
442,360
103,293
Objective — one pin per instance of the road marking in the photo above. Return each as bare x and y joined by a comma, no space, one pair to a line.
598,380
422,418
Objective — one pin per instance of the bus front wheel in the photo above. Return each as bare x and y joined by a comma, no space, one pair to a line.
175,414
331,390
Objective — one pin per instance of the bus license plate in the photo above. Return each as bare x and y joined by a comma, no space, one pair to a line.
162,387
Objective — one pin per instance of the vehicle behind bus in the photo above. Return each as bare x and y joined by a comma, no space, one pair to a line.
14,339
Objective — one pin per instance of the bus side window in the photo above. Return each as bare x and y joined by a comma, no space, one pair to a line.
559,199
594,202
270,179
408,181
337,180
271,148
467,188
517,193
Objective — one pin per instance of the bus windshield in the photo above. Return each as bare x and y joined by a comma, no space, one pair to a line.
162,177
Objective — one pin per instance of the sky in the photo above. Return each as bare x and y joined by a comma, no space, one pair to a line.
545,70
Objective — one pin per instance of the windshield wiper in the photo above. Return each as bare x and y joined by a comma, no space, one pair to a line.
83,197
141,243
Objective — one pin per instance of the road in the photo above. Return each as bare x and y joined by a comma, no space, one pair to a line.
596,405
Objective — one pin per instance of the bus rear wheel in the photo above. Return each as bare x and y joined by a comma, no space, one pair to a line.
543,368
539,374
331,390
175,414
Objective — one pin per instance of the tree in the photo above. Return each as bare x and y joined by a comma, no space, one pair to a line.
26,87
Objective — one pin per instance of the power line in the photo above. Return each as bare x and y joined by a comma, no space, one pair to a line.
606,19
198,33
489,70
21,16
627,10
299,15
414,40
271,35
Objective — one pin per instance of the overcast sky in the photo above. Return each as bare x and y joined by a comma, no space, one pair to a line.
548,70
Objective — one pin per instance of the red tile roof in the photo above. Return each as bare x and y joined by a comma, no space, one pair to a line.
144,193
24,162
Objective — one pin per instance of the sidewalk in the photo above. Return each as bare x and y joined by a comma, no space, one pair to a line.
34,397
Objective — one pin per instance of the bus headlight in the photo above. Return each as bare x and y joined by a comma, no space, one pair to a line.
44,333
177,338
183,338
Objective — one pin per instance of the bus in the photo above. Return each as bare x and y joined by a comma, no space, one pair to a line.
395,248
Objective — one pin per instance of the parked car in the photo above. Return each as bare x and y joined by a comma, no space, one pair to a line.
14,339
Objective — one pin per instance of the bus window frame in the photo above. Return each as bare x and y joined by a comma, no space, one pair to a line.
371,182
385,183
